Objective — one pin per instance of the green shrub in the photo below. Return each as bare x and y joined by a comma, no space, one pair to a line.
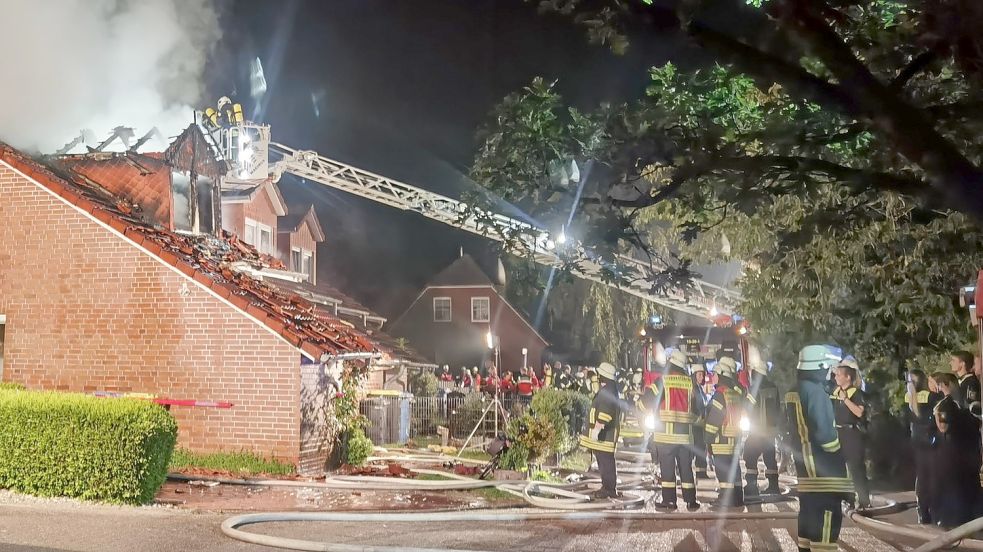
11,386
515,458
565,410
61,444
236,462
466,416
424,384
358,448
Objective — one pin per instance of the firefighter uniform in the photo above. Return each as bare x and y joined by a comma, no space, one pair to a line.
969,389
672,400
765,417
852,431
824,481
923,434
600,434
699,437
723,433
547,376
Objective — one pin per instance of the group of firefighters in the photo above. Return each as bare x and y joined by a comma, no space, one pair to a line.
523,383
821,425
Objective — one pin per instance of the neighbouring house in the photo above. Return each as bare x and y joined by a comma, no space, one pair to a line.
451,320
115,276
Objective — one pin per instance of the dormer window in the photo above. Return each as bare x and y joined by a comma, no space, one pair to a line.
302,260
259,236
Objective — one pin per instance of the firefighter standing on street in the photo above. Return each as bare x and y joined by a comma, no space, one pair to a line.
671,405
723,433
698,371
824,481
765,418
921,404
601,431
850,411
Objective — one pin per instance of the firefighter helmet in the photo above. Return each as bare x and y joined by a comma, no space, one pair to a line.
678,359
223,101
607,371
850,362
726,366
695,367
819,357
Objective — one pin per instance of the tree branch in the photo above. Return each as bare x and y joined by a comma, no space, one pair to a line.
917,64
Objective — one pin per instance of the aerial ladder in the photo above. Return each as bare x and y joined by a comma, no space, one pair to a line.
252,159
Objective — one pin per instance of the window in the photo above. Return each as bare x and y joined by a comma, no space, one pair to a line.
308,265
441,309
295,259
480,309
259,236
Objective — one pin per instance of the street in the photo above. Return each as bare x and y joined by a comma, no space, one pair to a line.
66,526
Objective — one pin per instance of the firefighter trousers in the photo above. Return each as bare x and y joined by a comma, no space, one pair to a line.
854,445
675,458
820,518
700,451
755,447
924,457
728,469
609,472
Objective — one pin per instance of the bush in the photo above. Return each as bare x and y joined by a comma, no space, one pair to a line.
358,448
466,416
565,410
425,384
61,444
516,458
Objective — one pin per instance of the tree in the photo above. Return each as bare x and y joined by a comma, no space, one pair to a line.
800,157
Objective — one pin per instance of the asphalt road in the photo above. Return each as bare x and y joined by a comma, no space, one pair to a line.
60,526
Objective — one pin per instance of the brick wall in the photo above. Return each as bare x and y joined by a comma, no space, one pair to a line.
87,310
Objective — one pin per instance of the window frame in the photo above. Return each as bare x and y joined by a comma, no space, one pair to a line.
487,301
450,309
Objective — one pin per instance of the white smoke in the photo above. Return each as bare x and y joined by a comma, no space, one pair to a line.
74,65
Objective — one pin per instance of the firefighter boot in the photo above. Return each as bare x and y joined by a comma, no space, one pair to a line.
773,488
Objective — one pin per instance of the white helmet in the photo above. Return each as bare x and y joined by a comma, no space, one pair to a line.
606,370
678,359
223,101
726,366
819,357
755,362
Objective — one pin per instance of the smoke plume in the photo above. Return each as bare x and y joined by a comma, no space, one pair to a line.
74,65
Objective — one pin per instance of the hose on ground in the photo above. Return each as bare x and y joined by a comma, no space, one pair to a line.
953,536
231,526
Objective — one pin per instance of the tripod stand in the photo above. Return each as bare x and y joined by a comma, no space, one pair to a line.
496,404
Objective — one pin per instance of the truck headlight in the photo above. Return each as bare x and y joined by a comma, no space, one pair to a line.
745,424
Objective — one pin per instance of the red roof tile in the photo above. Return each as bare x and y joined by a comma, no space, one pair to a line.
142,179
208,258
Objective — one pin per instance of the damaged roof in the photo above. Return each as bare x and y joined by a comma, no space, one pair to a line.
206,259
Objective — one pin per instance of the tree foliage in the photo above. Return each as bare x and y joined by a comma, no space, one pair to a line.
831,146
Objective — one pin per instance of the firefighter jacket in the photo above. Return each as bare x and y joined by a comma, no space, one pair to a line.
923,428
673,400
969,388
813,439
843,418
765,407
724,416
547,377
605,409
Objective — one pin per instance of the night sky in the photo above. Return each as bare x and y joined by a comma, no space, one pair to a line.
402,88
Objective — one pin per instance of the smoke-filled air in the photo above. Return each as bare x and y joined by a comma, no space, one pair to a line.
91,65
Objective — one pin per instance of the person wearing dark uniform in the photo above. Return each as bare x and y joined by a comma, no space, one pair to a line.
956,485
698,371
563,379
765,418
600,434
921,404
723,433
672,402
962,363
850,411
824,481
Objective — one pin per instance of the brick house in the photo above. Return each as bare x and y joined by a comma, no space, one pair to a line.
103,289
451,318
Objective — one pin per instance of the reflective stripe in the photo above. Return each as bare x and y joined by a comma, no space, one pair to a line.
668,484
673,416
604,417
711,428
718,404
604,446
832,446
725,485
827,525
722,448
825,484
688,486
751,472
673,438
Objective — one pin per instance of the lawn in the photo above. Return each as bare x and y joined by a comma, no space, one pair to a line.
244,463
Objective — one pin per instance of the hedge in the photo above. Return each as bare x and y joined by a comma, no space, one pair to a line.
11,386
63,444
